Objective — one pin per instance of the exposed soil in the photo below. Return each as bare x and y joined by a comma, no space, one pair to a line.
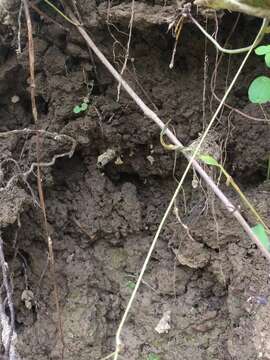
214,287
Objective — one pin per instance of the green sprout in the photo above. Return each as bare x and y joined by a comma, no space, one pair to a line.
86,100
131,285
80,108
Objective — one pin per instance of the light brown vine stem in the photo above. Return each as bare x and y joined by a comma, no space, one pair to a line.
153,116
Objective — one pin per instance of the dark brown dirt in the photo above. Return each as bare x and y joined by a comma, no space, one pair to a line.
102,221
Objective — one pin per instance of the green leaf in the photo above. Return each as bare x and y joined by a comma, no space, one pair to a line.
262,50
267,60
77,109
131,285
84,106
259,90
209,160
261,234
153,357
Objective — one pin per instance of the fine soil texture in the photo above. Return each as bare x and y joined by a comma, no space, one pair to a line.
107,181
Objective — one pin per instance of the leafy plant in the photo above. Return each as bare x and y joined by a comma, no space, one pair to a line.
259,89
85,104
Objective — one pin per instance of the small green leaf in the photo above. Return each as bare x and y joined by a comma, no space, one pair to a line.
153,357
209,160
84,106
262,50
77,109
267,60
261,234
131,285
259,90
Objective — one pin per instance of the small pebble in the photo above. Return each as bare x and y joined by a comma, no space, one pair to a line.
15,99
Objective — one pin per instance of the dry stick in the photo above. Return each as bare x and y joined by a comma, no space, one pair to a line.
39,184
214,75
31,59
128,47
247,116
205,77
52,264
19,48
192,162
217,58
4,267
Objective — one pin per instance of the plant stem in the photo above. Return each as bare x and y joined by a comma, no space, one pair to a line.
55,8
232,51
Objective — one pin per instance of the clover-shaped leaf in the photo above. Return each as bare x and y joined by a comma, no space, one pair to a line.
264,50
77,109
84,106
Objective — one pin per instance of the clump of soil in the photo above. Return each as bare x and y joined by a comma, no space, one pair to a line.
211,284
